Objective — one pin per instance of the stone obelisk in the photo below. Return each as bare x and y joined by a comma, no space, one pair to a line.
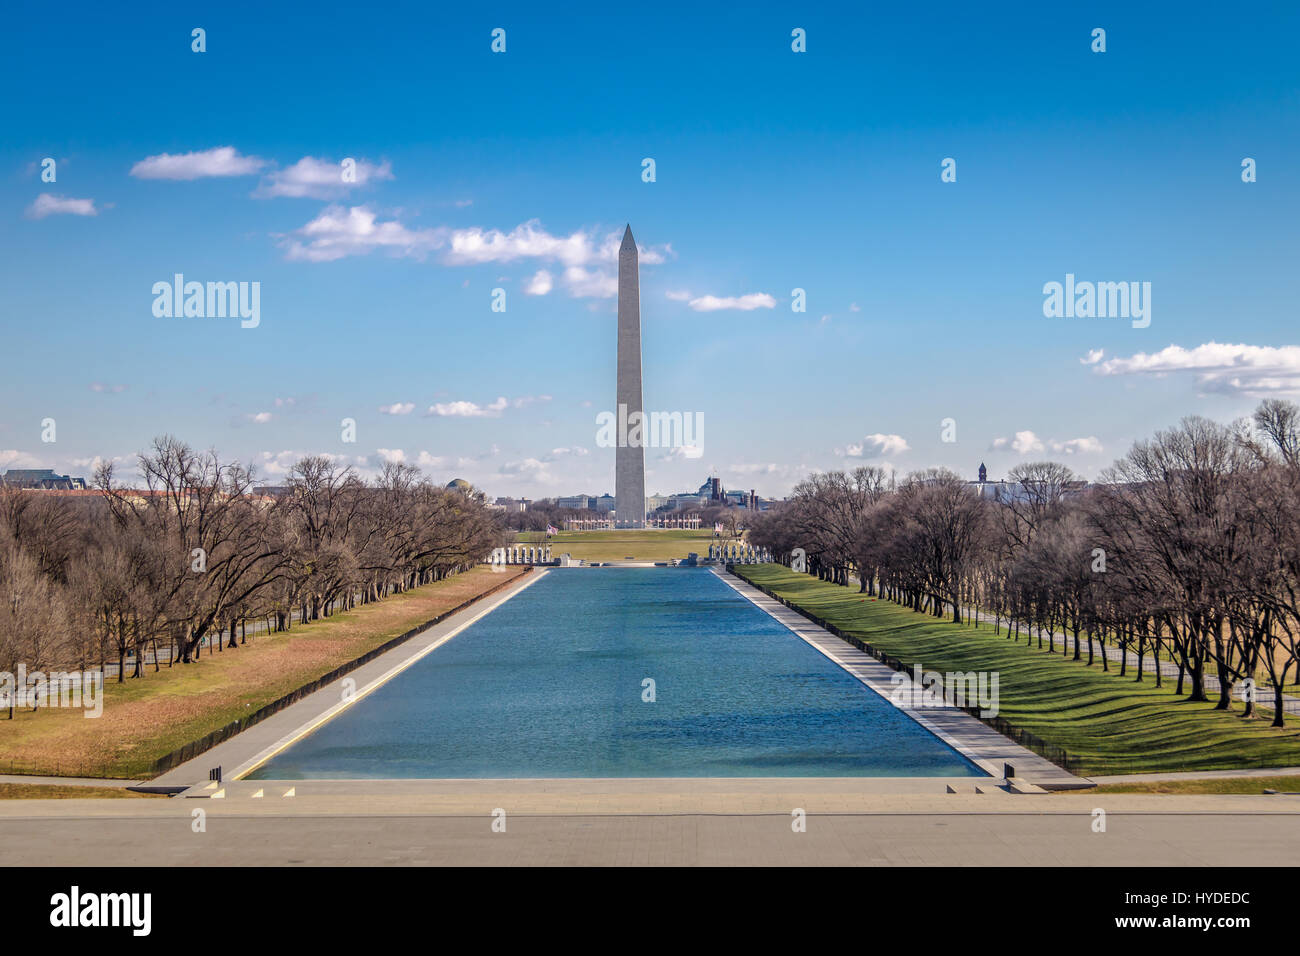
629,456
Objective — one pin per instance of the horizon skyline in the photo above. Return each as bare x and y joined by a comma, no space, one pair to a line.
775,171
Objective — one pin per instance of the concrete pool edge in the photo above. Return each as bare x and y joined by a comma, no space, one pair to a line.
255,746
980,744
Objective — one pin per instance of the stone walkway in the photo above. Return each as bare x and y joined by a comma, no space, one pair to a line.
1197,775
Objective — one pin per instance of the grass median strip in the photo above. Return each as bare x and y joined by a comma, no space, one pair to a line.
147,717
663,544
1111,724
1208,785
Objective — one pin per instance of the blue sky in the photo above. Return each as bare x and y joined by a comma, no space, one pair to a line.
775,170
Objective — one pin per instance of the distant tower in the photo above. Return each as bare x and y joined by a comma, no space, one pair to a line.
984,473
629,459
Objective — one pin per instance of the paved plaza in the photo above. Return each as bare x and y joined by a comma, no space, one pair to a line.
632,822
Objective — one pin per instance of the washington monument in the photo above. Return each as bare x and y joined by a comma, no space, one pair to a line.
629,455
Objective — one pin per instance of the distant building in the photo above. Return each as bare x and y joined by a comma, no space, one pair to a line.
678,502
1009,491
272,491
43,479
710,493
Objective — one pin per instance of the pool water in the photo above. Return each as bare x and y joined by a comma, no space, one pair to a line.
553,684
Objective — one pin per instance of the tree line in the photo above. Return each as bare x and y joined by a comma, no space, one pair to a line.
1187,547
193,555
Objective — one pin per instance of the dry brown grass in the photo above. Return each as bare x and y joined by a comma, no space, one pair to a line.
54,791
146,718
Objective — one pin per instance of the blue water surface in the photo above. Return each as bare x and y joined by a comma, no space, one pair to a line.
550,684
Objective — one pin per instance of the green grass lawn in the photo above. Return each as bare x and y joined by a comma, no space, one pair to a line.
651,544
1110,723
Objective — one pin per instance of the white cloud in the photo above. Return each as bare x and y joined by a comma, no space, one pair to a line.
539,284
854,307
47,204
675,452
577,451
397,408
92,463
1078,446
464,409
589,283
530,240
101,387
1026,441
339,232
746,303
280,463
13,458
881,444
259,418
222,161
475,245
1093,357
1023,443
531,469
589,262
320,179
1252,370
393,456
680,295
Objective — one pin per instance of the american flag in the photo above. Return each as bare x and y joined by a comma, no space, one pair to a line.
717,528
551,529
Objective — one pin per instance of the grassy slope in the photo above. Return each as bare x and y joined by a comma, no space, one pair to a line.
146,718
649,545
51,791
1111,723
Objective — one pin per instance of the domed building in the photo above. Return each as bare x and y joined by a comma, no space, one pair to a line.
461,485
